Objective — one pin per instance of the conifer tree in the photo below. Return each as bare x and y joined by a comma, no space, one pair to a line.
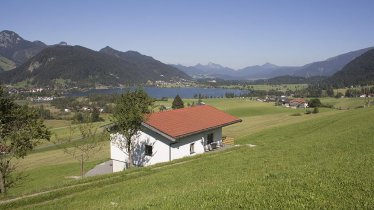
177,103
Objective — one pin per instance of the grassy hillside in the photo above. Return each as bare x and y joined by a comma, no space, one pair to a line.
344,103
6,64
321,162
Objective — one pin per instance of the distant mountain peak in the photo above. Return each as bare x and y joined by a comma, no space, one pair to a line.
107,48
214,65
269,65
117,53
62,43
17,49
9,39
210,65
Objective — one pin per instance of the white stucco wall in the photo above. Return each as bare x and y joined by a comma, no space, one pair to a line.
163,149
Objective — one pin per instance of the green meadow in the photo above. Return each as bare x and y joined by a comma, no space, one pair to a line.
323,160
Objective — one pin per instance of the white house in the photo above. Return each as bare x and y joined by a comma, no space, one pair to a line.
173,134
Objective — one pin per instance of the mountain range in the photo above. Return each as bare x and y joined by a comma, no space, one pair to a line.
14,50
36,63
359,71
79,66
320,68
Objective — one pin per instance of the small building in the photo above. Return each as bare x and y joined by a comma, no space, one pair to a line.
173,134
298,103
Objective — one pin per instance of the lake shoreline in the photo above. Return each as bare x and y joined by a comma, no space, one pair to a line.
162,92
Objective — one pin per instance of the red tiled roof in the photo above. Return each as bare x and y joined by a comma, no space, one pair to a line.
187,121
298,100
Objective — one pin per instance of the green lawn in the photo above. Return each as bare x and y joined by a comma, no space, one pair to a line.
326,162
298,160
256,116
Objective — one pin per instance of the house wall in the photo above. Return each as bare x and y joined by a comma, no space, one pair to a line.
163,149
182,147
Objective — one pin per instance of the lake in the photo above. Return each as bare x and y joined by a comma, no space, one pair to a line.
156,92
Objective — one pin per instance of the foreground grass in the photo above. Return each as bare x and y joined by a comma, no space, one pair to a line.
52,168
48,166
326,162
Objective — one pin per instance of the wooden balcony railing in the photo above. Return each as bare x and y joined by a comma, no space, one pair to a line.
228,140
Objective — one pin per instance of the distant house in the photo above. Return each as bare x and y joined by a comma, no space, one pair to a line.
86,108
173,134
297,103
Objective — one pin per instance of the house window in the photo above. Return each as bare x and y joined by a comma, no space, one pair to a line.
192,148
148,150
210,138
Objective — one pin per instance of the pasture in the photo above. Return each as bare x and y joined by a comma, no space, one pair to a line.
318,161
294,155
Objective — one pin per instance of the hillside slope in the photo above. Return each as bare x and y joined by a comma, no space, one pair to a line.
331,65
81,66
146,63
360,71
292,167
6,64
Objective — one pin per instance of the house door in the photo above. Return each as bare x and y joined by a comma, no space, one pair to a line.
210,138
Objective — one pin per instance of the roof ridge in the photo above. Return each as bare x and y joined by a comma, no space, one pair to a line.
186,121
184,108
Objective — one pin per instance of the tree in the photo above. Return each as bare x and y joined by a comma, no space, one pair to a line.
162,108
339,95
85,146
43,113
330,92
177,103
21,130
79,118
199,101
315,102
95,115
131,110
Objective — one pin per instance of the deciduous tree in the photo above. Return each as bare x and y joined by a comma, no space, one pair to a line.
84,146
130,111
21,130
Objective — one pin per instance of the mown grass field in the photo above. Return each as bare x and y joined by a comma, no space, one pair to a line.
319,161
344,103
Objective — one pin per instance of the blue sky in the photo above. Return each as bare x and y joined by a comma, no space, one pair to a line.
233,33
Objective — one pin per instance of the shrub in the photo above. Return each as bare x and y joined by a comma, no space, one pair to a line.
315,110
296,114
339,95
315,102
